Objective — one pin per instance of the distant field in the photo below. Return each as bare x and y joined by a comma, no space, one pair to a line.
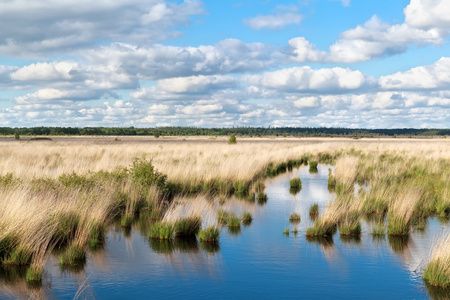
189,158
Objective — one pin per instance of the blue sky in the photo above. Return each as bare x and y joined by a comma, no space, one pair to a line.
147,63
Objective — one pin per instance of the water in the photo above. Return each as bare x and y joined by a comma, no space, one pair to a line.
258,262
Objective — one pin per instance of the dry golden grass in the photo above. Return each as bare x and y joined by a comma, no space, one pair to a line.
346,170
205,159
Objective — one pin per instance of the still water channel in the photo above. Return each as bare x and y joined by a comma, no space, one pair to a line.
257,262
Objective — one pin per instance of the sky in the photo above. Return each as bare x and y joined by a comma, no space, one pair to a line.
209,63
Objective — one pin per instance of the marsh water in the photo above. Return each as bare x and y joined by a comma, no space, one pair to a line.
256,262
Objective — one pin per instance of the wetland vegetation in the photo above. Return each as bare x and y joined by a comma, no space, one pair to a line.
59,198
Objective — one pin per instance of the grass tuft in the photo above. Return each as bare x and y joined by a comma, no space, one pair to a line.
189,226
246,218
294,218
73,255
314,210
350,228
210,234
162,231
437,272
295,183
233,221
34,274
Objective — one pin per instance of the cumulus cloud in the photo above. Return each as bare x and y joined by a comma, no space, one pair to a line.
159,61
62,26
308,79
46,71
427,22
428,14
195,84
307,102
365,42
282,17
433,76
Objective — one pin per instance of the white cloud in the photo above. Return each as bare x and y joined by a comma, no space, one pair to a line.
308,79
433,76
195,84
373,39
303,51
200,109
35,28
46,71
158,61
428,14
283,17
307,102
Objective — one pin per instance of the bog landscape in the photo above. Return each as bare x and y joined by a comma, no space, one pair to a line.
238,149
144,216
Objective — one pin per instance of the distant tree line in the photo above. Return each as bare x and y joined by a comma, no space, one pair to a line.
238,131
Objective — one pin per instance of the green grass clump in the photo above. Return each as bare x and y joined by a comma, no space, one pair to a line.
210,234
262,197
67,224
19,256
222,217
126,221
73,255
331,181
34,274
259,187
397,226
241,189
188,226
233,221
314,210
246,217
379,229
162,231
286,231
352,228
321,229
443,209
313,165
295,183
294,218
437,273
